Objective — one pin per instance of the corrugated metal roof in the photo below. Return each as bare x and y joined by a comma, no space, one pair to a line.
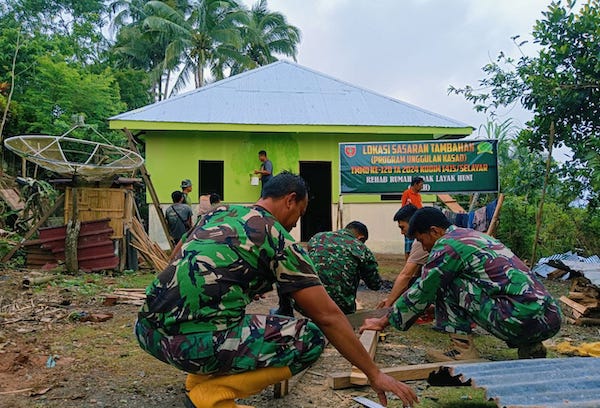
589,267
560,382
95,249
285,93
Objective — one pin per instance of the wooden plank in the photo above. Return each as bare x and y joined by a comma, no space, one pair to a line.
151,190
368,339
12,198
57,204
282,388
584,310
587,321
494,222
401,373
451,203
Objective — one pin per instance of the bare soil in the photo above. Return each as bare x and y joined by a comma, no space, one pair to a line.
51,357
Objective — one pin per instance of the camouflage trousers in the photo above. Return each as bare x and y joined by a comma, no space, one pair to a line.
258,341
505,317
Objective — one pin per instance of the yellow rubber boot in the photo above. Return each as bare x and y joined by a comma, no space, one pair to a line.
195,379
221,391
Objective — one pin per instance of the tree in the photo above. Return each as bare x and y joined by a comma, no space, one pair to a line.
138,49
264,34
58,91
560,86
202,35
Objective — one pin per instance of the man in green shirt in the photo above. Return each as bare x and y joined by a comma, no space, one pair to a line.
194,316
342,259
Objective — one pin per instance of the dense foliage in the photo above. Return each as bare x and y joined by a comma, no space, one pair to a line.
65,60
560,85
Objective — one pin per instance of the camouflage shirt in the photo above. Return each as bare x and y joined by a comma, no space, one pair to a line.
477,264
342,261
231,255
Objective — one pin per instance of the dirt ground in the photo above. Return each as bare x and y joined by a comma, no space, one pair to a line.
51,357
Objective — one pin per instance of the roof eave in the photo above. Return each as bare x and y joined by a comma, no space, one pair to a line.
437,132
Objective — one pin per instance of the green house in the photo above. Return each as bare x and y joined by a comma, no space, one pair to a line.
212,136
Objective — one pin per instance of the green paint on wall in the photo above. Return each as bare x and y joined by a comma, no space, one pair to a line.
174,155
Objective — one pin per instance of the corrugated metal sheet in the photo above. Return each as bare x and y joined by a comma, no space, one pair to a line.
560,382
285,93
589,267
95,249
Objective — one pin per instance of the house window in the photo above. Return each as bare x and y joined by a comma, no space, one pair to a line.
211,176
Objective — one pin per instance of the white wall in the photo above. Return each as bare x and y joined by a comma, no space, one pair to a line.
384,235
157,234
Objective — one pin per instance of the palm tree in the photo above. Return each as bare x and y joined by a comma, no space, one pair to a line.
137,48
265,33
202,35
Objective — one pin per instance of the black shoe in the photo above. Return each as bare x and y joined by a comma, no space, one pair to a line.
535,350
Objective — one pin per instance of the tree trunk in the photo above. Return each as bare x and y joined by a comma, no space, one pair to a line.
72,236
538,218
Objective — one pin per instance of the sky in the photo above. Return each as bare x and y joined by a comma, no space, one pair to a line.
413,50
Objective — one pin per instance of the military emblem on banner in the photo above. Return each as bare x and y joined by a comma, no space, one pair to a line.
350,151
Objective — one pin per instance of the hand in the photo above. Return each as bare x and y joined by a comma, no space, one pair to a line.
381,304
374,323
257,172
383,382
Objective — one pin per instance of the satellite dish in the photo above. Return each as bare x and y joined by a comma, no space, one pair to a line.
75,157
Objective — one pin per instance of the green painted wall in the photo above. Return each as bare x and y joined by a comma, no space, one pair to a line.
174,155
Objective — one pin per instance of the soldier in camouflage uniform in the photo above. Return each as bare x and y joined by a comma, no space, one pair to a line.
473,278
194,316
342,259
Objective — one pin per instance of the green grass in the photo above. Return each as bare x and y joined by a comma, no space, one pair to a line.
450,397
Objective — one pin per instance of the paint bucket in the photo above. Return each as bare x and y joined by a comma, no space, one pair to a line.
254,180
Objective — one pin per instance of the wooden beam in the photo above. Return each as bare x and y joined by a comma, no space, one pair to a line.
494,222
150,187
282,388
401,373
584,310
57,204
368,339
451,203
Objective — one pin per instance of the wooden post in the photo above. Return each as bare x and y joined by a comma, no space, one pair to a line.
72,234
150,186
538,217
494,222
57,204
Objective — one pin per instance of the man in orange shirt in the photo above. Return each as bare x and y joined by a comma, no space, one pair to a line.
411,196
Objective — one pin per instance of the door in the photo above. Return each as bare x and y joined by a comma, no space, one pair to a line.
318,214
211,176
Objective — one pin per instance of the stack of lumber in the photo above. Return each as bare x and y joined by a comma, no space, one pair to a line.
126,296
150,251
582,305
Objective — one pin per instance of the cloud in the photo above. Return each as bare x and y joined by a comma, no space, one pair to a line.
411,50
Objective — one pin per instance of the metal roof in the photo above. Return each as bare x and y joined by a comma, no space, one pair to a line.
559,382
589,267
285,93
